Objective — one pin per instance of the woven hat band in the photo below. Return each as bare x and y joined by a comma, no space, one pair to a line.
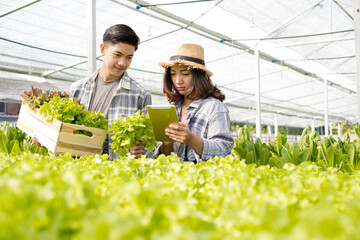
187,58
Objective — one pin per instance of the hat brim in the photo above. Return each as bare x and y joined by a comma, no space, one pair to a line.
190,64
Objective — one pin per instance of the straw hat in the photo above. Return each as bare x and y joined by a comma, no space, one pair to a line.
191,55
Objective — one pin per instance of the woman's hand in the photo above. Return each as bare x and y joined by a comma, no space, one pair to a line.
138,149
179,132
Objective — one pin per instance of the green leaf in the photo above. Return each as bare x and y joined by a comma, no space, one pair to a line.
244,134
330,156
272,147
296,153
14,147
240,152
250,158
265,156
4,143
304,155
258,145
286,156
357,131
280,162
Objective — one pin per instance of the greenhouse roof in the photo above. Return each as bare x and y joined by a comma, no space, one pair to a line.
301,45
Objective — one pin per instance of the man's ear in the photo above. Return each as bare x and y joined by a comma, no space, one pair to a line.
102,49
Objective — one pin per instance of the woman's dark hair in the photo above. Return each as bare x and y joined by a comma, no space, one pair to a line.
201,87
121,33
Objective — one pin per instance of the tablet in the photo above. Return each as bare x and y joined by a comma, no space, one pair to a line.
161,116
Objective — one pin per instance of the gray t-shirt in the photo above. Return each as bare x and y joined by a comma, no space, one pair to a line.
103,93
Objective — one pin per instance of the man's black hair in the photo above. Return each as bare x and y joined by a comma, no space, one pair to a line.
121,33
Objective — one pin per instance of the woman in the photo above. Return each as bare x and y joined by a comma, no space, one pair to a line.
204,127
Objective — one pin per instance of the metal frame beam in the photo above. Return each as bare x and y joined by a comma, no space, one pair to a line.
17,8
343,9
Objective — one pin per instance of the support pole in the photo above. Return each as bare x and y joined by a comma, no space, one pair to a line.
357,50
257,93
91,36
312,124
330,16
275,125
339,130
326,117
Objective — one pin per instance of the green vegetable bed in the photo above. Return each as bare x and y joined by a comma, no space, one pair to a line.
44,197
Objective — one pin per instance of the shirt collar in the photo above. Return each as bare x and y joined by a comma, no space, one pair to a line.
196,103
125,81
193,104
94,76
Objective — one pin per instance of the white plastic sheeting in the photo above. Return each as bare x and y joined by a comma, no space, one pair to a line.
301,43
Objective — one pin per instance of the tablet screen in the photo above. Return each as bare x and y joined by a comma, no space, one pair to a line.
161,116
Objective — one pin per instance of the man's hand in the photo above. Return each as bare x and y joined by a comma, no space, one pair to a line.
36,141
138,149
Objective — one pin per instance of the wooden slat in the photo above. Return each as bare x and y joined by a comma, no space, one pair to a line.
77,150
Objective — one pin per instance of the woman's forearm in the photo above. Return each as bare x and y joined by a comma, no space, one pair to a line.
166,148
196,143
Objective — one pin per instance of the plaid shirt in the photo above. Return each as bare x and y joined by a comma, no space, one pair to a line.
208,119
129,98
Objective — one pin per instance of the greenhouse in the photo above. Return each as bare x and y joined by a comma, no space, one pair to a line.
306,51
280,64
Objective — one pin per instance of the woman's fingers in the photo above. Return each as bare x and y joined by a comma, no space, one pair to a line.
172,131
176,134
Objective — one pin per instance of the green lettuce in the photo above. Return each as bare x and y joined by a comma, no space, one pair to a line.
127,130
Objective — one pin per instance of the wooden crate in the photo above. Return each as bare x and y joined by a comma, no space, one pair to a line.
59,137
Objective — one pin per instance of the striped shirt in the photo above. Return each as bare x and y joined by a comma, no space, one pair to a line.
129,97
208,119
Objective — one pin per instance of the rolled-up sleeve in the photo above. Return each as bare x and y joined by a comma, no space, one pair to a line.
219,141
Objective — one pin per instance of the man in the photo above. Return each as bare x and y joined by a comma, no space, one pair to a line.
110,89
